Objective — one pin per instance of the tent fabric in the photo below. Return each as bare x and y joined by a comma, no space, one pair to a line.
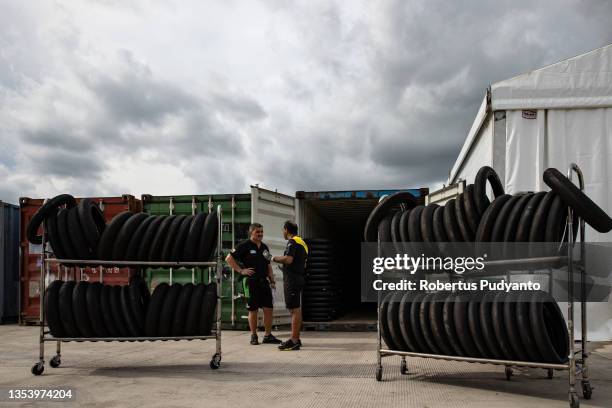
584,81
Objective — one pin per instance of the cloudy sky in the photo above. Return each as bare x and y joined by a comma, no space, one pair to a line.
183,97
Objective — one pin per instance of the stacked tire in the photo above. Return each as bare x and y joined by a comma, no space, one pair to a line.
93,310
322,298
493,325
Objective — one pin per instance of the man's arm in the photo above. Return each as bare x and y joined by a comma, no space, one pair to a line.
283,259
234,265
271,276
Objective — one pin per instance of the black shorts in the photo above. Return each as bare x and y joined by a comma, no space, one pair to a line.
257,292
293,294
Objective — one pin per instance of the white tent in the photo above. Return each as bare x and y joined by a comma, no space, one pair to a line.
545,118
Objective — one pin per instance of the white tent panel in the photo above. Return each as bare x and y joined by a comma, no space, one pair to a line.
481,154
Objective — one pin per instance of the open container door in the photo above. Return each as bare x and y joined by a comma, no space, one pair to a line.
271,209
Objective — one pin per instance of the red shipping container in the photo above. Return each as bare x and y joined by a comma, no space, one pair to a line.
31,259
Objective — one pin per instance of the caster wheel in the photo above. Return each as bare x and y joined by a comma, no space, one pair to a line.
55,361
509,373
587,390
403,368
379,373
574,402
215,363
38,368
550,373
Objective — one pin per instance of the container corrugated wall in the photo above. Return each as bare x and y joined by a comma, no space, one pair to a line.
9,263
30,260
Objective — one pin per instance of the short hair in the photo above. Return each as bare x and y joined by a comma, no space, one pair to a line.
254,226
291,227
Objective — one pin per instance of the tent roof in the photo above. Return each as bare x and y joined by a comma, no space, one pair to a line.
584,81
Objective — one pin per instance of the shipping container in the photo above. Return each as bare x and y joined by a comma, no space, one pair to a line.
9,263
31,260
340,216
269,208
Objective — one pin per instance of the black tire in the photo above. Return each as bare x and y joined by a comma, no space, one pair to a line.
414,224
537,231
555,221
157,246
52,309
131,253
65,309
487,222
94,309
471,212
327,266
571,195
138,302
427,223
107,312
164,326
404,322
448,320
451,227
486,323
193,237
208,241
154,310
436,323
55,236
180,313
438,225
384,323
395,231
181,239
79,309
514,218
381,210
475,325
511,327
107,240
128,315
308,306
462,327
548,328
415,323
76,236
485,174
318,253
194,310
526,221
320,259
425,323
393,323
147,239
92,223
499,326
208,309
497,234
125,234
464,227
384,229
524,327
43,213
117,311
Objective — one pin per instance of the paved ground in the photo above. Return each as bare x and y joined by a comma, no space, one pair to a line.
333,369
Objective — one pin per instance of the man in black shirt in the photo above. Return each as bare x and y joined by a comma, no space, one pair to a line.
249,258
294,264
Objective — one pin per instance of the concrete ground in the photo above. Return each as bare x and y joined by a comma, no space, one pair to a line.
333,369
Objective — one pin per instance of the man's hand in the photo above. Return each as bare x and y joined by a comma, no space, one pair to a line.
268,256
273,284
247,271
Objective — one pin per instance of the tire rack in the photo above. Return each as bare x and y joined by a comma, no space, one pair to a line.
45,335
572,363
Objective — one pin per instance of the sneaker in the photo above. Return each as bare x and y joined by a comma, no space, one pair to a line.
270,339
299,342
290,345
254,340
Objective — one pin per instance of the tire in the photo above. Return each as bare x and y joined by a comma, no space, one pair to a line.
511,327
327,266
395,231
107,312
487,222
526,221
52,308
415,323
65,309
571,195
208,241
448,320
381,210
125,234
393,324
537,231
404,322
146,244
555,221
485,174
193,237
439,231
320,305
414,224
464,227
499,326
94,309
92,223
76,236
471,212
501,221
384,323
164,327
514,218
320,259
524,327
486,323
427,223
43,213
384,229
107,240
55,236
180,313
462,328
451,227
157,246
138,302
117,312
317,253
193,310
548,328
475,325
128,315
154,310
79,309
131,253
425,323
178,248
208,309
436,323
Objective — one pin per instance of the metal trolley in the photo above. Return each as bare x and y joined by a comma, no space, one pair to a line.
45,335
578,357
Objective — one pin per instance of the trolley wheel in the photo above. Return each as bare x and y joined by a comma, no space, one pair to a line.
587,390
403,367
215,363
550,373
55,361
38,368
379,373
574,402
509,373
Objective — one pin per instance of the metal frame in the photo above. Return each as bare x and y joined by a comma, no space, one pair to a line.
572,363
45,335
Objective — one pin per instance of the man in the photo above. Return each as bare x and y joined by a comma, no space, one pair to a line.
294,264
257,282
